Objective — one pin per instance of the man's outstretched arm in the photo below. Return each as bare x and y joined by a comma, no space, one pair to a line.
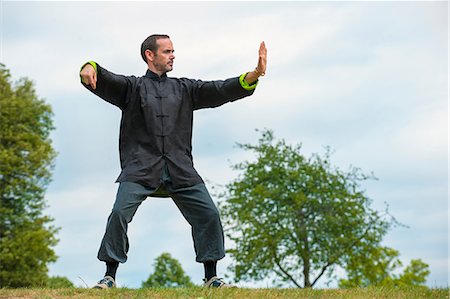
208,94
109,86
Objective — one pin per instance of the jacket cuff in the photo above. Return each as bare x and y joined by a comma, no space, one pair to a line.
245,85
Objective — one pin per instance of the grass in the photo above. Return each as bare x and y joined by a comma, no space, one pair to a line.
201,293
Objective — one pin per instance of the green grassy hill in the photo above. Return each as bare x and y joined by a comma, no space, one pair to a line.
201,293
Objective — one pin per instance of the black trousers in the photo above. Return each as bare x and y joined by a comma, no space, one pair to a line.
195,204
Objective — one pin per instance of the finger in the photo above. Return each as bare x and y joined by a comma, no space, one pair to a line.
84,79
92,82
262,56
261,66
94,86
262,48
262,52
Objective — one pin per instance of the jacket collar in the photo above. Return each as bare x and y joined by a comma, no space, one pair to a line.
154,76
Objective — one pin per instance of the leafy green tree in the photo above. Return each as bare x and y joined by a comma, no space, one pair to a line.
26,155
59,282
168,273
414,274
377,267
294,218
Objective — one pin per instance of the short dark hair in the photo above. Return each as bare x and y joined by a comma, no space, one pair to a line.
150,44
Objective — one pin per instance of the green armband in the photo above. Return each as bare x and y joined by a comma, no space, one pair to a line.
245,85
94,65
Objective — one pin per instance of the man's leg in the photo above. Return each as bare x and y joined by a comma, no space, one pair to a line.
111,269
114,246
210,269
197,207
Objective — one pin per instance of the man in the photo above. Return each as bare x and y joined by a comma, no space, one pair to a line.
155,149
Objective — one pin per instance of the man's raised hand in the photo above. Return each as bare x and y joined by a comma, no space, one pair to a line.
89,76
262,60
260,69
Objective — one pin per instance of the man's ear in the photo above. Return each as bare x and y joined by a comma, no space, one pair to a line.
149,55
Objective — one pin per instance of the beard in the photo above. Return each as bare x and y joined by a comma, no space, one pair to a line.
163,67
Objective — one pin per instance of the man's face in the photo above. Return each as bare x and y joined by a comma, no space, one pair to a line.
163,58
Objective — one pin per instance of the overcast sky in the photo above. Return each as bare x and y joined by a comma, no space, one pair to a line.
368,79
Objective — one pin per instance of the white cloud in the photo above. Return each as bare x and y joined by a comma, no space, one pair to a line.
427,133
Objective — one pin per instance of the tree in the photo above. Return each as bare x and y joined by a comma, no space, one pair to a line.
168,273
377,267
296,218
26,155
414,274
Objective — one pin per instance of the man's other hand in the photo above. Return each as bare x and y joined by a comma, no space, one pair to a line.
89,76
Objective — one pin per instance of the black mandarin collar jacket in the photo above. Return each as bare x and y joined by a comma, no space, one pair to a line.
156,124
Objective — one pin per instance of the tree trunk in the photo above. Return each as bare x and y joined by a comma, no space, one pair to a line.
306,263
